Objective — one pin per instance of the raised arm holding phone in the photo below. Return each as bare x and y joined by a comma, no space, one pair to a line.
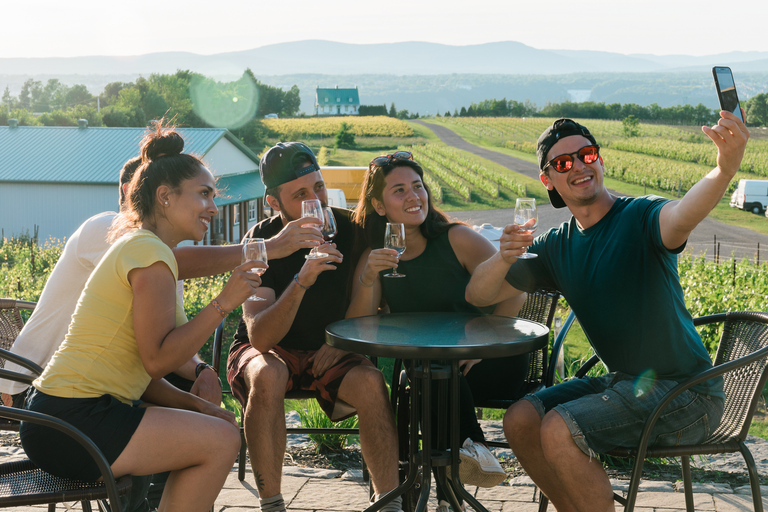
615,263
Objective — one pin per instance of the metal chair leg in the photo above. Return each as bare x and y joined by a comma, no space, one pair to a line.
687,483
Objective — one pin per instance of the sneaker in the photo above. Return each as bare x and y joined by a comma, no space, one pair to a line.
478,466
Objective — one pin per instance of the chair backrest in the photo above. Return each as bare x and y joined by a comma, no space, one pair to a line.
540,307
11,321
744,333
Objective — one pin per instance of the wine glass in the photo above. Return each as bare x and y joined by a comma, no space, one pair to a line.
255,249
394,238
329,229
527,218
313,208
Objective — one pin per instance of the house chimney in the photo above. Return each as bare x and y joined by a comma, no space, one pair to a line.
13,123
82,123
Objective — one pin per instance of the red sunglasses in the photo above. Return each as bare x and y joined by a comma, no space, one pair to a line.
564,163
381,161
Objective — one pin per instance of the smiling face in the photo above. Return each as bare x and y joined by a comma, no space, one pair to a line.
292,193
583,184
190,206
404,198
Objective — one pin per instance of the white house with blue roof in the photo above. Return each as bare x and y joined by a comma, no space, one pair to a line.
337,102
54,178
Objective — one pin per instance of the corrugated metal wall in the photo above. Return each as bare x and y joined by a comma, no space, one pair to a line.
57,209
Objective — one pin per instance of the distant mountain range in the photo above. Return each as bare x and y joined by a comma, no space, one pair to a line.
427,77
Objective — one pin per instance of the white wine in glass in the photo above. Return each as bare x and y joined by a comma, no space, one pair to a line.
527,217
255,249
394,238
313,208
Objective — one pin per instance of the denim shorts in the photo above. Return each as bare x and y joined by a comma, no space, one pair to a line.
610,411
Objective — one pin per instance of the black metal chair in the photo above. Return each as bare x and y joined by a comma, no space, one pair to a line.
291,395
742,360
23,483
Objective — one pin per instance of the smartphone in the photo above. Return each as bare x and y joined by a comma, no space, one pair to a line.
726,90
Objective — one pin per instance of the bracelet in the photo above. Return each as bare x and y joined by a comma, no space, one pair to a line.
360,278
217,306
296,278
200,367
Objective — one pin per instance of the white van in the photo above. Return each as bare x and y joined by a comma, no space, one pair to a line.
752,195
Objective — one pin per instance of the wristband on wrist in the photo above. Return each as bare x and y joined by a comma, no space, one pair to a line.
296,278
360,278
202,366
217,306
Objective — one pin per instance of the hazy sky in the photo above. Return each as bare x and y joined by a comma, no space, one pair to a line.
56,28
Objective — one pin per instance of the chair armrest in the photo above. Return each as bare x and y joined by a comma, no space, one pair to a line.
557,348
218,336
21,361
706,375
77,435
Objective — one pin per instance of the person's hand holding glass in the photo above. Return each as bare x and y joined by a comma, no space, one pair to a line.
313,208
527,217
394,238
255,249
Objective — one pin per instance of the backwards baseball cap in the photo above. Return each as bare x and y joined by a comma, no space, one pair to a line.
560,129
284,162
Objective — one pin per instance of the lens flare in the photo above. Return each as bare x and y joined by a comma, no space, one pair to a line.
644,383
224,105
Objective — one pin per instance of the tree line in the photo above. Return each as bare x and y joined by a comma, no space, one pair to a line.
190,99
756,109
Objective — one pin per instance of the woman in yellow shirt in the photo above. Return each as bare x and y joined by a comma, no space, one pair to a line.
129,330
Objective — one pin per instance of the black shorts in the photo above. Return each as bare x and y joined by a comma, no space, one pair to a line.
109,423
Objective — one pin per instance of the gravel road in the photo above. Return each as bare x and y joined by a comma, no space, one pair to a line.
743,243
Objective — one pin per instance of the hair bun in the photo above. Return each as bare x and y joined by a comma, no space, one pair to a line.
161,142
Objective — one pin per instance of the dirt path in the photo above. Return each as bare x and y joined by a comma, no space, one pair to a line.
744,243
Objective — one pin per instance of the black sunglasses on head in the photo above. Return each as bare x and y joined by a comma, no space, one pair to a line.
564,163
381,161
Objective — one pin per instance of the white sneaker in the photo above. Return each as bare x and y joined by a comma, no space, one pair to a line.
478,466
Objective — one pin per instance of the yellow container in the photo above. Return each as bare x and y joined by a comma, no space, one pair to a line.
348,179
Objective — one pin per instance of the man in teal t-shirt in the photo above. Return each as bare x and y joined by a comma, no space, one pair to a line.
615,262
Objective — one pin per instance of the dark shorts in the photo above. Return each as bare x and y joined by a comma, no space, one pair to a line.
300,378
109,423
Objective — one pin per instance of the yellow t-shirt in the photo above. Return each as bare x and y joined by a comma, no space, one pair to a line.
99,355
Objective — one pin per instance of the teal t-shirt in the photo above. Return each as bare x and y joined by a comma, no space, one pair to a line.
623,286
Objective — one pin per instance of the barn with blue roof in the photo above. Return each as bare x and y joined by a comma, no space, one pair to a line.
54,178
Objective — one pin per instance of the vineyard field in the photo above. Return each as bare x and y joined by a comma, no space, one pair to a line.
315,127
668,158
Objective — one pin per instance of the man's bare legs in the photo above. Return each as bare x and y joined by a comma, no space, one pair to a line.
363,388
199,451
567,476
264,420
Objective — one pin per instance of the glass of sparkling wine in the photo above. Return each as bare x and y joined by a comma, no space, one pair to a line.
527,218
313,208
255,249
394,238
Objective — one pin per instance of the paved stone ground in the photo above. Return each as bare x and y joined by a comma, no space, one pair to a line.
319,490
